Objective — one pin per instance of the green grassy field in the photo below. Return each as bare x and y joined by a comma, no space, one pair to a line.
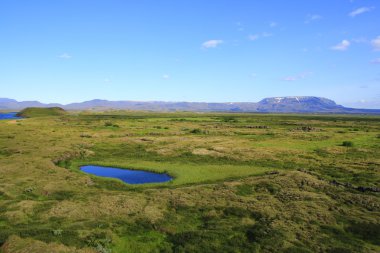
242,183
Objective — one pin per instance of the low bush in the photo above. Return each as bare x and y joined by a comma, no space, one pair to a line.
347,144
61,195
110,124
86,136
244,190
366,231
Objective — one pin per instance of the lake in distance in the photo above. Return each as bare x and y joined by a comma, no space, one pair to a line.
9,115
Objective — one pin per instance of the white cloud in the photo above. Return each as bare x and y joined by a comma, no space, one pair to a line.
212,43
107,80
359,11
376,43
312,17
342,46
165,76
375,61
65,56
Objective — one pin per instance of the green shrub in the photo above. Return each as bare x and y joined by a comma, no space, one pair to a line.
4,234
86,135
321,152
236,211
62,195
196,131
100,241
110,124
244,190
265,186
366,231
295,249
228,119
204,241
339,250
263,234
347,144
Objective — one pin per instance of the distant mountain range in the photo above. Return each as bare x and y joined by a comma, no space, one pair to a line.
304,104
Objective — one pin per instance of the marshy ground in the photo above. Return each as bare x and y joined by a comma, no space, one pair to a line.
243,183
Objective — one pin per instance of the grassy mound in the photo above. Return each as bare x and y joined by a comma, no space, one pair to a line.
31,112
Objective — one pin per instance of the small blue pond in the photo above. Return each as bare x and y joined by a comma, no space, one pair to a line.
9,115
127,176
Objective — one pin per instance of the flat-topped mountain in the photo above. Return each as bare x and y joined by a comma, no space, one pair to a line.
298,104
295,104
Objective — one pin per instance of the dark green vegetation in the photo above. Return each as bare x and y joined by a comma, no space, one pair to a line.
243,183
31,112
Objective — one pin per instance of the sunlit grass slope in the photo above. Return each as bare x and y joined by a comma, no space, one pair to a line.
31,112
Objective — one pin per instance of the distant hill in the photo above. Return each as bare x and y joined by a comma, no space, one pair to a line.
296,104
31,112
11,104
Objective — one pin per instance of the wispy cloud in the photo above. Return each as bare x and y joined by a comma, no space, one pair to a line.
300,76
107,80
212,43
290,78
360,40
375,61
359,11
259,35
165,76
240,26
370,102
253,37
342,46
376,43
265,34
312,17
273,24
65,56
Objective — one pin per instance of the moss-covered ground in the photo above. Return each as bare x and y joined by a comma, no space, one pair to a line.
242,183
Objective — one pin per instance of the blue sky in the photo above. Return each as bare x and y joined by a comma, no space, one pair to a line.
190,50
